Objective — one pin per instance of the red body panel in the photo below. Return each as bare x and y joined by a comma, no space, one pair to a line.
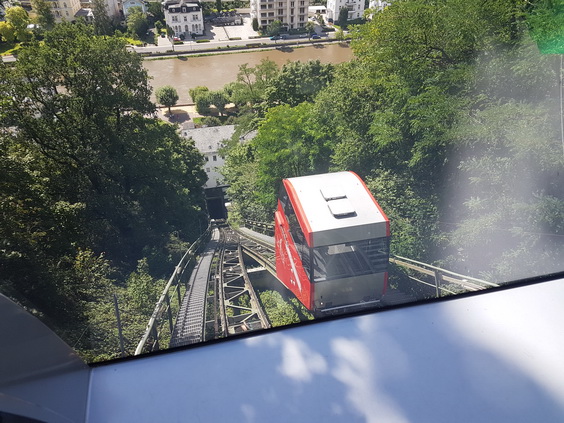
289,268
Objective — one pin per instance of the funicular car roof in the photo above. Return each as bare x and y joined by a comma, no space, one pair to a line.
336,207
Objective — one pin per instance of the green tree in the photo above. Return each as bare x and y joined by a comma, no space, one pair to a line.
137,22
85,170
340,35
204,102
7,32
219,99
156,9
310,28
298,81
254,81
218,5
288,144
18,18
197,91
102,21
241,175
255,24
343,17
274,28
45,17
167,96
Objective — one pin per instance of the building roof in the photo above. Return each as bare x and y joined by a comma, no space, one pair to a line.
84,12
211,138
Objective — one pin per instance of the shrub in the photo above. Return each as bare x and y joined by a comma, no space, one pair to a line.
211,121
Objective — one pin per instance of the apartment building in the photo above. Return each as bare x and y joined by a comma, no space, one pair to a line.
65,10
292,13
355,8
184,17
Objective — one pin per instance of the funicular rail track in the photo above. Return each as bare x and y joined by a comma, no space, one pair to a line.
226,302
220,299
239,305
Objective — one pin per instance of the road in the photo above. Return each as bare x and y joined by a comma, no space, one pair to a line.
191,46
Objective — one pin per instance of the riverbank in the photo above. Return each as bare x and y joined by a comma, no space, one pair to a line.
285,47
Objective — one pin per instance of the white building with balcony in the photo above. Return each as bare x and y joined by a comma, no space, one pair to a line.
355,8
379,4
291,13
184,17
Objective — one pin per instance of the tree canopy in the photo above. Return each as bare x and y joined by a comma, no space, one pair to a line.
137,22
449,112
167,96
92,186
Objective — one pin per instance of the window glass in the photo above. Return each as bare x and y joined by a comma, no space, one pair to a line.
451,117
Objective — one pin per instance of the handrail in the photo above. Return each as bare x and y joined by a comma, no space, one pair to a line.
444,271
266,227
164,300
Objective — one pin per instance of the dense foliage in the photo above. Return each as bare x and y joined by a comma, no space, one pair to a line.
96,198
450,114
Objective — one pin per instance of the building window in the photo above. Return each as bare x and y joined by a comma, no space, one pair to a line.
207,159
65,5
280,4
215,158
185,28
175,19
195,17
292,4
185,18
208,169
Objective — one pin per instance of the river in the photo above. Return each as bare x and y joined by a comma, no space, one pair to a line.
216,71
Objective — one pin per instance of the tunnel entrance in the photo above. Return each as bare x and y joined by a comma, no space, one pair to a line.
215,199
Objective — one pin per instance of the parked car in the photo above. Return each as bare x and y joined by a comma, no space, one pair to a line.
315,37
275,37
283,36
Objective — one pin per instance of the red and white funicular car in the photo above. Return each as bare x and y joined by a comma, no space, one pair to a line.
332,241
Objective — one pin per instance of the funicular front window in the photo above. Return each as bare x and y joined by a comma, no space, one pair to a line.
350,259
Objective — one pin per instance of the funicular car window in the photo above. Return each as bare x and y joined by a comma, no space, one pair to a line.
350,259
